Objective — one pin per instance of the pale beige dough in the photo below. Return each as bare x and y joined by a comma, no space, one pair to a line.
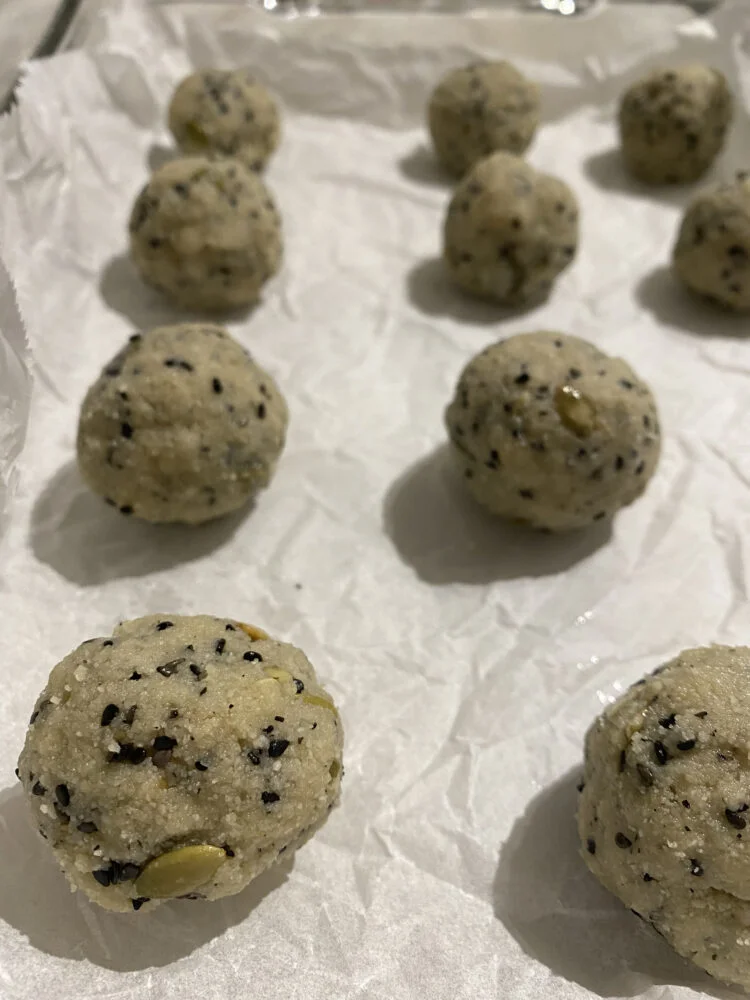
181,425
548,430
206,233
673,123
664,811
225,112
179,732
509,231
712,252
479,109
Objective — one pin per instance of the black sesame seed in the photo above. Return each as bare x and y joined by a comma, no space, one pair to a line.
639,468
162,625
126,509
701,715
38,789
660,752
737,251
139,901
62,794
128,872
179,363
109,714
668,721
103,876
526,494
128,753
734,818
685,803
621,763
269,797
182,190
268,729
647,877
217,386
230,628
167,669
129,715
625,383
200,766
197,671
164,743
591,845
253,756
645,775
686,744
135,676
261,411
220,644
227,850
522,379
299,685
619,462
252,656
277,747
174,714
695,867
202,692
622,841
126,430
574,373
87,826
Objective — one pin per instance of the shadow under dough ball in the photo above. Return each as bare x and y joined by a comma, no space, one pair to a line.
509,231
206,233
664,810
480,109
550,431
225,112
712,252
673,123
178,758
182,425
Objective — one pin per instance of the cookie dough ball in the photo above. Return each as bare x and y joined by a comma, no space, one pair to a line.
228,113
480,109
550,431
673,123
206,233
178,758
182,425
509,231
664,813
712,252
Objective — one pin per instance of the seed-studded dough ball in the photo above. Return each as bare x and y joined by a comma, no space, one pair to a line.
673,123
548,430
229,113
181,425
664,813
178,758
712,252
206,233
480,109
509,231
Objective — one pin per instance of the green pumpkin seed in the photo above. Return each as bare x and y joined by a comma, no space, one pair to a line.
180,871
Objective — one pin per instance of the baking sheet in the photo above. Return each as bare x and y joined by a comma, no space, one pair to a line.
468,657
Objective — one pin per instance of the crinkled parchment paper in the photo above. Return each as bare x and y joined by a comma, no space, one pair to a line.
467,656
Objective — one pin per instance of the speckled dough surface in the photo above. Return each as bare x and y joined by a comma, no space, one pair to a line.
509,231
181,425
673,123
548,430
480,109
177,732
206,233
663,813
712,252
225,112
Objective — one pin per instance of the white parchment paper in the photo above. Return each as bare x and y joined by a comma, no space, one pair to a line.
468,657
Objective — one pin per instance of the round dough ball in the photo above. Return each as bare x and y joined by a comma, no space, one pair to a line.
206,233
673,123
182,425
225,112
480,109
712,252
664,814
179,758
509,231
550,431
